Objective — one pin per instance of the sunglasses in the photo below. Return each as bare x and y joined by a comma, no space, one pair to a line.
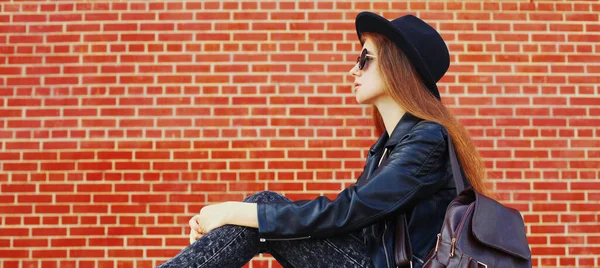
363,58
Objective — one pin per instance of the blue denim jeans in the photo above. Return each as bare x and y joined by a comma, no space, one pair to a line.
234,246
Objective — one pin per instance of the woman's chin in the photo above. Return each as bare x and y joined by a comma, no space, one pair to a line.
361,100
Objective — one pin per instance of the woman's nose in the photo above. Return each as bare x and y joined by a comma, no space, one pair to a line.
354,71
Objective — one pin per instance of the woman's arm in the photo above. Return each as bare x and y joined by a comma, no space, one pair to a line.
241,213
413,171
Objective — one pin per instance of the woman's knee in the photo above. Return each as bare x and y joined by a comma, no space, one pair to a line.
265,196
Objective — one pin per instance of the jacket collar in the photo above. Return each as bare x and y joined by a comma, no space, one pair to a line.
406,123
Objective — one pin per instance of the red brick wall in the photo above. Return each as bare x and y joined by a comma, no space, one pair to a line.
120,120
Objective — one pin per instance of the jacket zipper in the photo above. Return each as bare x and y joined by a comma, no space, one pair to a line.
382,156
387,258
282,239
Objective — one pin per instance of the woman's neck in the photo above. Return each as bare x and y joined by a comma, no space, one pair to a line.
391,113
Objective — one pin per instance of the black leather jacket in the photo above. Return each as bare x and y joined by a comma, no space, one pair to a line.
415,178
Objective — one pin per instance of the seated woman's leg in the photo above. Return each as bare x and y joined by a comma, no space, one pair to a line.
226,246
234,246
341,251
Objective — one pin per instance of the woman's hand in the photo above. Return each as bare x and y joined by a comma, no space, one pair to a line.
194,233
210,217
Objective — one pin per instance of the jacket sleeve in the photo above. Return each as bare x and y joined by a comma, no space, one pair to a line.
404,178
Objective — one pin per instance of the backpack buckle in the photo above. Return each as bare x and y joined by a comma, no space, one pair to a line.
437,243
452,247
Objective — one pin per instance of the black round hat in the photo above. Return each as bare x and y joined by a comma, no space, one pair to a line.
421,43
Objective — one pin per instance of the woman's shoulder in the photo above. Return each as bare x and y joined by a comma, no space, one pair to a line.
421,149
425,136
430,129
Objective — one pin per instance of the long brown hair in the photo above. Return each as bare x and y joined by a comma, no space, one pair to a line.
403,84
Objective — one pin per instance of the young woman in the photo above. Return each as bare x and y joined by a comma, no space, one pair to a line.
407,171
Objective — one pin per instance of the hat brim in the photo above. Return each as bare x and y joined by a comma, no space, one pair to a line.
370,22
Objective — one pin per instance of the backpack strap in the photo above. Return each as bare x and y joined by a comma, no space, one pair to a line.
459,179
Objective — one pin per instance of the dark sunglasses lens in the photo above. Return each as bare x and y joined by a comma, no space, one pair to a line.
363,59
